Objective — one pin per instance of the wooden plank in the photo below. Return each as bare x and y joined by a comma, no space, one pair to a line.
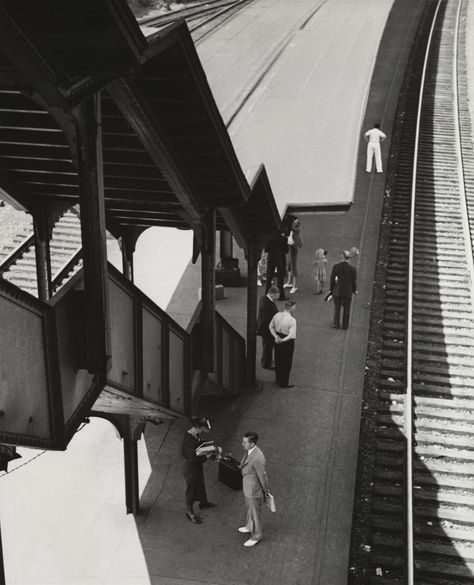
114,401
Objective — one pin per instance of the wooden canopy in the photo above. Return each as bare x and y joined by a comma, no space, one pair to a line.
167,157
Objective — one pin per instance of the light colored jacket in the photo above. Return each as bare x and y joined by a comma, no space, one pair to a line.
254,476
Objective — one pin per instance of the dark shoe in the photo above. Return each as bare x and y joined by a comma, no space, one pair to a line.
268,367
194,519
288,386
207,505
334,326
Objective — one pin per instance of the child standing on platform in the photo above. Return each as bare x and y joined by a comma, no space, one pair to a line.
262,268
319,270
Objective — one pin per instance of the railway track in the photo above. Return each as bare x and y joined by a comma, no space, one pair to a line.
422,504
18,261
202,17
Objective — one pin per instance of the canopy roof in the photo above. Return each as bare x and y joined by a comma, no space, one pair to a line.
167,156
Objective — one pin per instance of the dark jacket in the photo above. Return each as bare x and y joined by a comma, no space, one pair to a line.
346,280
277,249
266,310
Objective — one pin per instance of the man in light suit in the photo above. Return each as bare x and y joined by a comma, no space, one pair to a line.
255,487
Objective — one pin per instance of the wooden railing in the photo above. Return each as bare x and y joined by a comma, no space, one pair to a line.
151,353
229,352
230,356
17,253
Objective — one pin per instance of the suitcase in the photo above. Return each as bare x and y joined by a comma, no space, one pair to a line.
229,473
228,276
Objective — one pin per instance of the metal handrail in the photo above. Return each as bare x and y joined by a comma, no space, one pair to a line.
68,266
17,253
408,425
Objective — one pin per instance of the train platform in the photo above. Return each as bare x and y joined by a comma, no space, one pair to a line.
292,87
77,532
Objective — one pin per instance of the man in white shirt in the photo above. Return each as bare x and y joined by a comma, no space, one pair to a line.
374,137
283,329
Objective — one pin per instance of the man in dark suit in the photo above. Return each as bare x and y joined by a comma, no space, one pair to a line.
343,285
266,309
277,249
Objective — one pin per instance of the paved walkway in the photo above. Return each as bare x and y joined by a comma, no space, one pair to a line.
65,522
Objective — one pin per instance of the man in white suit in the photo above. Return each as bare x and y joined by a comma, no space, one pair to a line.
255,487
374,137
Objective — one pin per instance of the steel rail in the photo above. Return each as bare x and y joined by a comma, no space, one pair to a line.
409,401
460,165
219,13
188,12
174,14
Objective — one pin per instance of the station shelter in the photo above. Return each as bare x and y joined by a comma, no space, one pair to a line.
123,129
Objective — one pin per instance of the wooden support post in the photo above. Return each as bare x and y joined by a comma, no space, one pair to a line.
43,234
130,449
2,567
208,280
91,199
226,247
132,495
127,246
252,261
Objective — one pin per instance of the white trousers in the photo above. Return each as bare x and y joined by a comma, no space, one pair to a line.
373,149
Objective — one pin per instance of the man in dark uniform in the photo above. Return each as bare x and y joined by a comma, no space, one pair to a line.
277,249
343,285
266,310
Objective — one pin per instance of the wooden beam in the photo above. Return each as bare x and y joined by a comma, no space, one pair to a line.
115,401
253,253
141,118
2,567
43,229
34,71
91,197
235,225
130,460
225,241
208,278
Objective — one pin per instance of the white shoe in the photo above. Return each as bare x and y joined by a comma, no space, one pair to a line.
293,290
287,285
259,282
251,542
244,530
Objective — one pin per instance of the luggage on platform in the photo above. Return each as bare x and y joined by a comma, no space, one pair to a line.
229,473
